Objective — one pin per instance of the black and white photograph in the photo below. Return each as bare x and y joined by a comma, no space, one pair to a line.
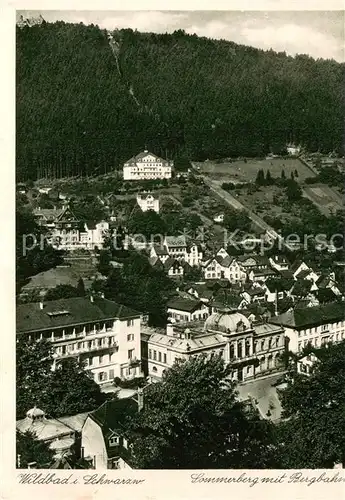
179,239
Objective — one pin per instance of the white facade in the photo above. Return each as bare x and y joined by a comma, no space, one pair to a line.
146,166
148,201
252,351
109,348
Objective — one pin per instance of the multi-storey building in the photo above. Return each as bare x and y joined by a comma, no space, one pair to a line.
145,166
148,201
102,334
252,350
177,248
67,232
312,325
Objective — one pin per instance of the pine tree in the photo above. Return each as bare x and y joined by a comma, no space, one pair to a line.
260,178
269,179
81,287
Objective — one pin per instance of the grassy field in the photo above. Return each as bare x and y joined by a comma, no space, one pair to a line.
326,199
241,171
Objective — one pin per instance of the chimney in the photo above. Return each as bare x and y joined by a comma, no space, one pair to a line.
41,305
91,298
140,399
170,330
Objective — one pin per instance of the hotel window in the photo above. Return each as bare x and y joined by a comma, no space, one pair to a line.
324,328
130,337
160,357
130,353
111,374
100,360
164,358
90,361
130,322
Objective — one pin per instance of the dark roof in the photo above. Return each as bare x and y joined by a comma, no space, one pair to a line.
181,304
161,250
264,272
255,291
310,316
170,262
74,311
303,274
301,287
228,299
296,265
142,155
285,273
112,417
325,295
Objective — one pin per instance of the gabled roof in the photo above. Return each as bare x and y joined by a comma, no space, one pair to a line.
176,241
112,417
142,155
285,273
311,316
325,295
296,265
186,305
255,291
68,312
160,250
304,273
171,262
263,272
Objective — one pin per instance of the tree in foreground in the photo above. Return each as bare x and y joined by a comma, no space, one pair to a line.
66,391
29,449
193,419
313,434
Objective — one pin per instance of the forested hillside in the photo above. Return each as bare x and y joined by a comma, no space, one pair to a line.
84,107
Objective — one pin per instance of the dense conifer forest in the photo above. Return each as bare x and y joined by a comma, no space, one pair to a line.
86,103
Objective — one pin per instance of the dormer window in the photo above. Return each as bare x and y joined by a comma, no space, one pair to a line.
114,441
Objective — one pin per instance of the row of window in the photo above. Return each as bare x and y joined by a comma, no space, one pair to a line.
90,344
244,348
158,356
317,342
103,359
324,328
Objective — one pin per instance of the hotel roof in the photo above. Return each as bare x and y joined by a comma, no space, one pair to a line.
68,312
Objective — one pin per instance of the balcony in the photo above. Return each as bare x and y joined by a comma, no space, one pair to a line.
112,346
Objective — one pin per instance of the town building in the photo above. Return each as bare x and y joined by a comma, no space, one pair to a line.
182,309
101,333
312,325
148,201
59,433
146,166
177,248
67,232
252,350
293,150
306,364
104,437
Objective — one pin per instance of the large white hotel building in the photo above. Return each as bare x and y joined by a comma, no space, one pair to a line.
146,166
